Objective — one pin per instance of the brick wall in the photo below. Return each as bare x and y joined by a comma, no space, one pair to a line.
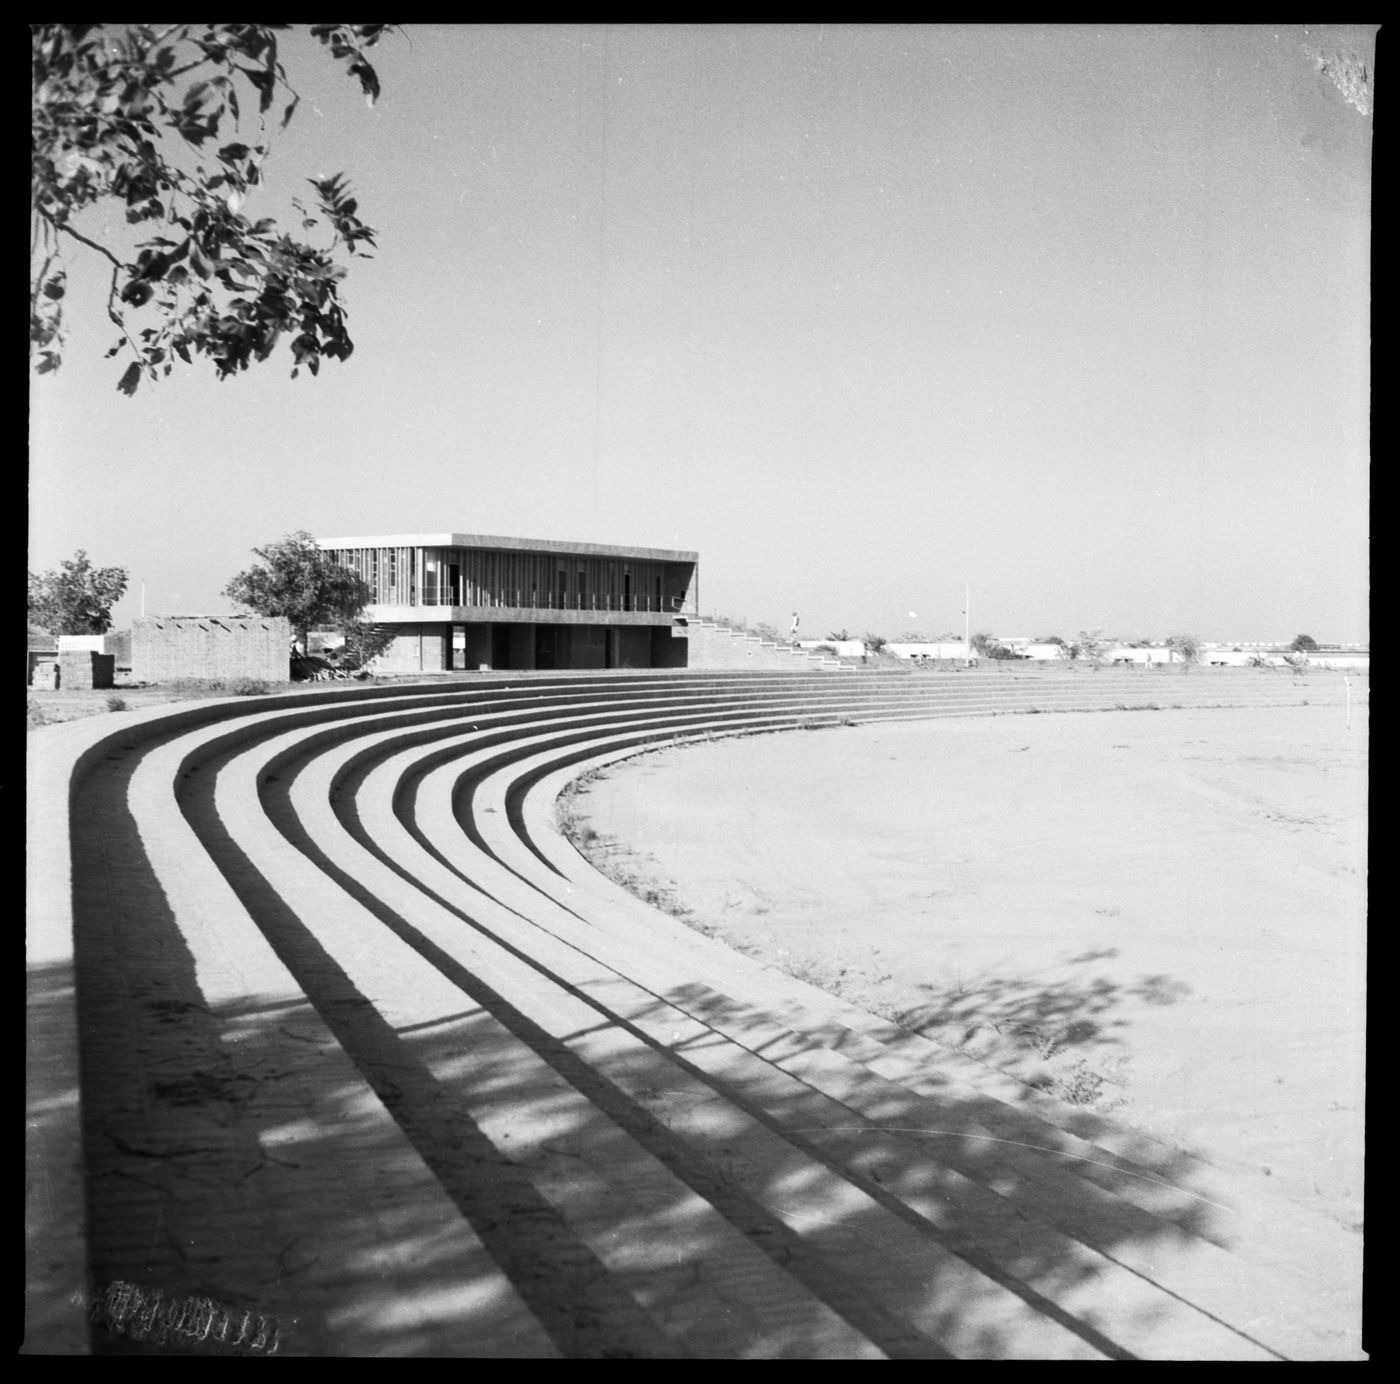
166,647
82,668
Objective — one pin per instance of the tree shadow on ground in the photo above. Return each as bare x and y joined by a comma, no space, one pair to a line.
1067,1035
678,1174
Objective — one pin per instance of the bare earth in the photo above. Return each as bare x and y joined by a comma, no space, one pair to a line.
1159,913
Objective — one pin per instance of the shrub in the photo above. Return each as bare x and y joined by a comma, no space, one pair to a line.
248,687
116,704
1080,1085
1186,647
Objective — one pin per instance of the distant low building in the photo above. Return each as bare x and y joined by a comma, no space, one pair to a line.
929,650
115,643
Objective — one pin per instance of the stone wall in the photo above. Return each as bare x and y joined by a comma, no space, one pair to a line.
166,647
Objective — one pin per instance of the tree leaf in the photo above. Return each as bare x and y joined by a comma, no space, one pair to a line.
130,379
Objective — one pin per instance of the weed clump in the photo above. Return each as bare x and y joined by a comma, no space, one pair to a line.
116,703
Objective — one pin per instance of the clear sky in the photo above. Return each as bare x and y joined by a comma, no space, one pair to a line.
1075,316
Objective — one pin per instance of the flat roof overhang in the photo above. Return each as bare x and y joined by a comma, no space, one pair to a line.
508,545
510,615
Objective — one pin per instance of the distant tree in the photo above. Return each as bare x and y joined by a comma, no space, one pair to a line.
298,580
1063,650
78,598
122,113
913,637
1186,647
984,643
1304,644
840,635
875,643
1092,647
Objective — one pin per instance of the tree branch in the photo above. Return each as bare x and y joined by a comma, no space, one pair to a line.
91,244
39,280
120,322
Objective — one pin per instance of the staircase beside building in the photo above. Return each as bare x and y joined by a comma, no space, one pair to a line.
713,645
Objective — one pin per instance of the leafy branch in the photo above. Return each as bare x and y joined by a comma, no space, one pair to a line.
126,113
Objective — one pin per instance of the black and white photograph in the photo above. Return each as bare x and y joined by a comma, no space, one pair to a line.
698,691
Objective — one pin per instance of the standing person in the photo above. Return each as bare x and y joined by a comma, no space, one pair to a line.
794,627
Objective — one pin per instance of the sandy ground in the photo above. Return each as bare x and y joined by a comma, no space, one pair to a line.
49,706
1159,913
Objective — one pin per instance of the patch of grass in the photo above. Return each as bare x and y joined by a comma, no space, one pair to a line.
1082,1082
1080,1085
248,687
196,686
116,703
832,979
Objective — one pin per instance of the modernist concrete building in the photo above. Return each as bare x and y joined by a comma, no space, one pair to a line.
457,600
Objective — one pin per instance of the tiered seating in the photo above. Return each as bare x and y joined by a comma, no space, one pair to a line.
364,1046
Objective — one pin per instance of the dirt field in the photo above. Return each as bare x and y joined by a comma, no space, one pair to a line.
47,707
1160,913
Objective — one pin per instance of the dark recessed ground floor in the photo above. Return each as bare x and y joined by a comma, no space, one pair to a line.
442,647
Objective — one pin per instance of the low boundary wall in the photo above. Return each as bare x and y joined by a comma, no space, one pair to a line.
167,647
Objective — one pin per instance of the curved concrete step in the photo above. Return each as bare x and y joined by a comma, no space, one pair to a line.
390,984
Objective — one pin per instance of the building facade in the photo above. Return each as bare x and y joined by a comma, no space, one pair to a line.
472,601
